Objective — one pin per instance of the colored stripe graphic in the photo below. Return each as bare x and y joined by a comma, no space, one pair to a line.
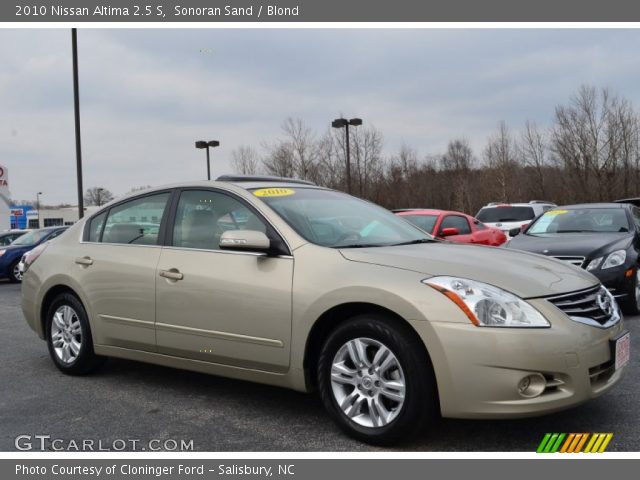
574,442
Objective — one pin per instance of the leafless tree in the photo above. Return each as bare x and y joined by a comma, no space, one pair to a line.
97,196
500,155
245,161
595,140
296,154
456,165
532,149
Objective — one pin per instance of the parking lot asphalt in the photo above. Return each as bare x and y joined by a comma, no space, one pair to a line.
128,401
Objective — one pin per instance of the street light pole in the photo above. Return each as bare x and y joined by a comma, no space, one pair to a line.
38,207
340,123
206,144
76,109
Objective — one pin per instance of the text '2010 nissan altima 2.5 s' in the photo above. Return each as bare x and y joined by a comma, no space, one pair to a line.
282,282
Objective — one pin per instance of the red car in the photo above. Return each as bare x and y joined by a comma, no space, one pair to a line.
454,226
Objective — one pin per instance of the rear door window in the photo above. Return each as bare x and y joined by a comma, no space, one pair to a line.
95,227
136,222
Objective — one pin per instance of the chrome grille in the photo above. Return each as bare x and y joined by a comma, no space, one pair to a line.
573,260
585,305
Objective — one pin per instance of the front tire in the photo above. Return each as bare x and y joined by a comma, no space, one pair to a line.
15,276
69,336
376,380
631,305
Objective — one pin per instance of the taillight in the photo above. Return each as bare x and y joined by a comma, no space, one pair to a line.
32,256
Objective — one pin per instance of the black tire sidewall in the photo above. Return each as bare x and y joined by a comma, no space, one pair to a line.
12,277
87,359
420,402
630,305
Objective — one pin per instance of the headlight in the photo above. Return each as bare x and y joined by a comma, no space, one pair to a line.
594,264
486,305
2,252
615,259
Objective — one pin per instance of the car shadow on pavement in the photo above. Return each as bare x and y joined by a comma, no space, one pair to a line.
287,420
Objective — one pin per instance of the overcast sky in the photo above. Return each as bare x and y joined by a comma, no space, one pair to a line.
147,94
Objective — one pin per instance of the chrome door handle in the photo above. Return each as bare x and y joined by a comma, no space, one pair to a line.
171,274
86,261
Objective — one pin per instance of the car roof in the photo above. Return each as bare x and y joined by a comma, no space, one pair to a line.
594,205
518,204
419,211
633,201
431,211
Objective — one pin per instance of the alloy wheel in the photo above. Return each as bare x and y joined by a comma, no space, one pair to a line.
368,382
17,274
66,334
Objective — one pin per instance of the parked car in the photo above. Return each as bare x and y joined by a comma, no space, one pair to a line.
11,255
603,238
454,226
7,237
508,216
316,289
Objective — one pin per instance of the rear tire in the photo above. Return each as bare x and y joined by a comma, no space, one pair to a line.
376,380
69,336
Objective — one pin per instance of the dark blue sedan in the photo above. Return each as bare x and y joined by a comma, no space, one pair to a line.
10,256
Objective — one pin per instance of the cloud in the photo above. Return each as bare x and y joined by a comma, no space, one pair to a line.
147,95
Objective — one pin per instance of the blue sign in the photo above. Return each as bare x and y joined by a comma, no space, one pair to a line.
19,216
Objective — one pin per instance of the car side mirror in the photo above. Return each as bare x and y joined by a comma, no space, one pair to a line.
514,231
245,240
448,232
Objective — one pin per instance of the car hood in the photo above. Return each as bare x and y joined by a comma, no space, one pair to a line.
13,248
524,274
586,245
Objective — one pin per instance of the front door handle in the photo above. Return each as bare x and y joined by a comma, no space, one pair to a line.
172,274
86,261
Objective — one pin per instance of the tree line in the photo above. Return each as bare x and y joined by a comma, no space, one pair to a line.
589,153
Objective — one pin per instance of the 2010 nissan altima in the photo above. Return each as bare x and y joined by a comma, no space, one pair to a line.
282,282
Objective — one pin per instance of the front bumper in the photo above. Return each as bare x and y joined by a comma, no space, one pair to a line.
615,280
478,369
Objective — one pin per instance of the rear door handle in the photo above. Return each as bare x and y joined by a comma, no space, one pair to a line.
86,261
172,274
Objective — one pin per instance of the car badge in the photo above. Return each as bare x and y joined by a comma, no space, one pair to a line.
604,302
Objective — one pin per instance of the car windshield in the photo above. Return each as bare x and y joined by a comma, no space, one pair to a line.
30,238
337,220
581,220
425,222
505,213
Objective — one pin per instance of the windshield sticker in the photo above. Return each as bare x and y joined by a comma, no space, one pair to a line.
551,213
274,192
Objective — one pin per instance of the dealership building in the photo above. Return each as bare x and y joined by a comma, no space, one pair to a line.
26,216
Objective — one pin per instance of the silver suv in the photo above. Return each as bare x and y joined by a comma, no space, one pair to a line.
286,283
507,216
